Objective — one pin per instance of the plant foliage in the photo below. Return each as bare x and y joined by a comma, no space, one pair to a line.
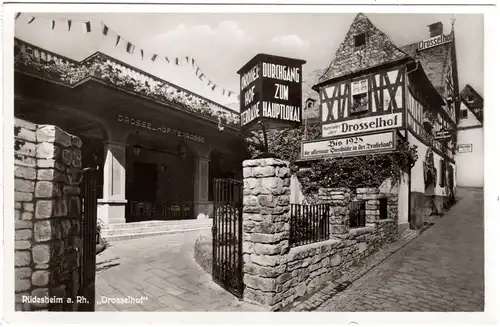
345,172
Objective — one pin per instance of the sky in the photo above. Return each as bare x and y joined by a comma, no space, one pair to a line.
222,43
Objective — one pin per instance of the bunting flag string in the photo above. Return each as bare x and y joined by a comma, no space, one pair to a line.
130,48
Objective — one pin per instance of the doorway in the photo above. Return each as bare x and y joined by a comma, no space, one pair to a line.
145,182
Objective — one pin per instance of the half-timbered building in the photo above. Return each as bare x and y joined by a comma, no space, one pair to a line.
373,87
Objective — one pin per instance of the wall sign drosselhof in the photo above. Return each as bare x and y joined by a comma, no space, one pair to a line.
271,92
363,125
349,146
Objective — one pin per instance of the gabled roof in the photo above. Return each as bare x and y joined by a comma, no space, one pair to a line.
309,80
434,62
477,105
378,50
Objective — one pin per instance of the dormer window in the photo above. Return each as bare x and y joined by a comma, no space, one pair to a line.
470,98
359,40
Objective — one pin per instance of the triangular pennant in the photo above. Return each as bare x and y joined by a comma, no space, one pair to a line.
213,88
87,26
192,62
142,54
197,70
130,47
201,76
209,82
31,20
17,15
229,93
223,92
105,30
69,25
177,61
118,37
166,58
153,58
187,59
53,24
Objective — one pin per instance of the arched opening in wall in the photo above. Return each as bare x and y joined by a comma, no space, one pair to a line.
159,178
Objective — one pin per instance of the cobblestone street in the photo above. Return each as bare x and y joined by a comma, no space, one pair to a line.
162,269
441,270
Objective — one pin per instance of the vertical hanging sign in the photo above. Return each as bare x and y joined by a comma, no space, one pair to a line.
271,92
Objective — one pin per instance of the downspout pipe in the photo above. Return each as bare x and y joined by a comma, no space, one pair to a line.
410,225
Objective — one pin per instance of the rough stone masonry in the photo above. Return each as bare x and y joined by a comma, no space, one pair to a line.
47,217
275,274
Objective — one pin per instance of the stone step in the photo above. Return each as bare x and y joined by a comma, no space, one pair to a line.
111,239
156,223
116,232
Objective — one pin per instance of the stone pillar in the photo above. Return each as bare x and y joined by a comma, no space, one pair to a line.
111,208
266,229
47,216
202,207
372,205
339,199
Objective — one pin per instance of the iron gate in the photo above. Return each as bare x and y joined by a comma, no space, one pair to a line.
227,246
89,236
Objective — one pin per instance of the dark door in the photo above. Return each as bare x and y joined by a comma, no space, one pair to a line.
145,179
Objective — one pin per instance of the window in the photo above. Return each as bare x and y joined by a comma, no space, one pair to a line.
463,114
470,98
359,91
359,40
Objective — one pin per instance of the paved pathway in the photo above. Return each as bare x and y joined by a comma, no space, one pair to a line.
441,270
161,269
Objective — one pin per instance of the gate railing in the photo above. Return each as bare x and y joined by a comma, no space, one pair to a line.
88,234
227,229
309,223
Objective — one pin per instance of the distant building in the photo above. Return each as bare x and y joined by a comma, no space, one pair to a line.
373,87
470,148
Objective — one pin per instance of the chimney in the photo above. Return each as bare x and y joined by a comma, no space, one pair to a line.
435,29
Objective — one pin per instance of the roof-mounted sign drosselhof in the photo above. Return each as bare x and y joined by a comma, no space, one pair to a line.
271,92
434,42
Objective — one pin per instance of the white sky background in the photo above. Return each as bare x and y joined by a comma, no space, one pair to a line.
223,43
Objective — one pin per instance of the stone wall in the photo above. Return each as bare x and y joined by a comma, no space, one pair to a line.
266,228
47,216
276,274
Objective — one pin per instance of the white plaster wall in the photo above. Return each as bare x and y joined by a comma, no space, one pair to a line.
470,165
296,195
417,172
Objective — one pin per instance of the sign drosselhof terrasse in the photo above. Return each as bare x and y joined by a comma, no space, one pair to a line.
271,92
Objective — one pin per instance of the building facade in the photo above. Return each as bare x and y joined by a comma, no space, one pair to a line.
157,147
470,144
375,93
